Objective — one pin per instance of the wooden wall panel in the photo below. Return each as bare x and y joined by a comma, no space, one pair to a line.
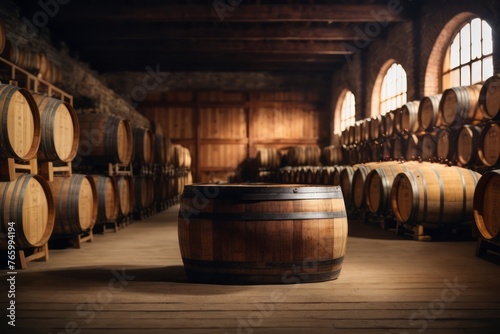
221,156
222,129
223,123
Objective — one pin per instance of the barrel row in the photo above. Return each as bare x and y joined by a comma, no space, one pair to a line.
416,192
469,145
455,107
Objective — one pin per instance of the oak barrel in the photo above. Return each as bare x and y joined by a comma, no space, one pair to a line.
375,127
446,144
409,123
27,202
467,145
433,194
346,176
144,192
75,198
143,146
378,184
125,194
60,130
303,156
105,139
429,146
3,37
428,112
160,156
20,123
460,105
414,147
489,145
358,182
182,156
486,205
107,198
489,99
262,233
268,157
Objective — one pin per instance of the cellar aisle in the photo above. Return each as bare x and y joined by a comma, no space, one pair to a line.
133,282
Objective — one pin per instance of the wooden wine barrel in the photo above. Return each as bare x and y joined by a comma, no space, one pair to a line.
378,184
346,177
108,204
169,151
428,112
357,132
20,123
352,135
125,188
409,118
327,176
467,145
388,123
486,208
446,144
27,202
144,192
336,175
460,105
396,125
375,127
489,98
429,146
434,194
399,145
358,182
489,145
268,157
313,155
3,37
366,129
269,234
104,139
75,198
160,157
344,138
182,156
386,150
414,147
143,146
60,130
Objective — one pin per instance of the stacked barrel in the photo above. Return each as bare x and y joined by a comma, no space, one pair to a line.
268,161
167,174
105,152
180,171
41,197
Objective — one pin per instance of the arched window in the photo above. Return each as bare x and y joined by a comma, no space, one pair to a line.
347,110
393,90
468,59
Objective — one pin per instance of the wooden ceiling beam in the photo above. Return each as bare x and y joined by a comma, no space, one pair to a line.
160,33
245,47
243,13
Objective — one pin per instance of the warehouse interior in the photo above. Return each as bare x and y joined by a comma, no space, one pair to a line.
373,96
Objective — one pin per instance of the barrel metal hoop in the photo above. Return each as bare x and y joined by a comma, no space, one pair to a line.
258,216
260,265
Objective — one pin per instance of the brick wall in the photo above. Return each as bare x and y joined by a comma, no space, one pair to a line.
410,43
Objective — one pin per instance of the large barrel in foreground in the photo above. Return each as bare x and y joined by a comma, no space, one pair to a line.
432,194
262,233
486,205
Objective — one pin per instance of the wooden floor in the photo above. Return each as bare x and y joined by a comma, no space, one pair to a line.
133,282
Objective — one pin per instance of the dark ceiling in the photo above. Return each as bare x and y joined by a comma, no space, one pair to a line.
313,35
